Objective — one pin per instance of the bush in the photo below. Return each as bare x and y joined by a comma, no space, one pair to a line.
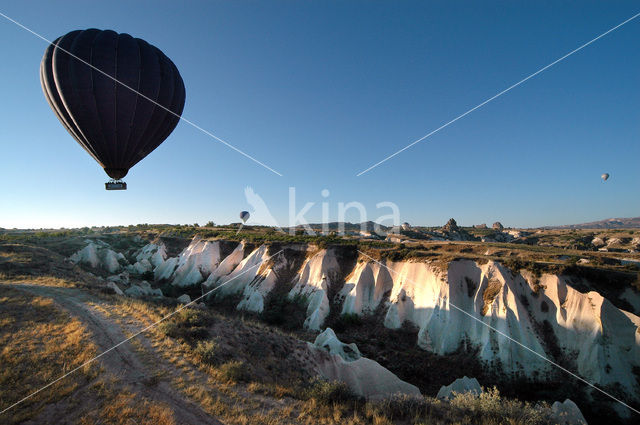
489,406
345,321
287,313
207,352
187,325
235,371
148,276
327,392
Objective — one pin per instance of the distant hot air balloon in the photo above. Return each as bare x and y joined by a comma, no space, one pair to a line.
604,177
116,125
244,216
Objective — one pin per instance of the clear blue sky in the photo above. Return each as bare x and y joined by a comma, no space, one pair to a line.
322,90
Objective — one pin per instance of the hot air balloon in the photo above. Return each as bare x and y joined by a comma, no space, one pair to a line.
244,216
117,123
604,177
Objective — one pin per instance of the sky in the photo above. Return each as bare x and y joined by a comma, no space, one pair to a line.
321,90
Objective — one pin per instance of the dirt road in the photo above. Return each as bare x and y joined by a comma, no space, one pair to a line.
122,362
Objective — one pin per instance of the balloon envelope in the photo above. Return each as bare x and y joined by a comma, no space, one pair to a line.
117,126
244,216
605,176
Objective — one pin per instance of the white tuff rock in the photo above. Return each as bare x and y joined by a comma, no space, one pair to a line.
115,288
459,386
330,342
313,281
143,290
98,254
184,299
365,377
567,413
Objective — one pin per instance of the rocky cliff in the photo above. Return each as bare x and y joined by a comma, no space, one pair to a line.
514,320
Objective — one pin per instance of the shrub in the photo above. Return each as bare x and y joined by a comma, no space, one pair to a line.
490,407
207,352
148,276
329,391
188,325
285,312
345,321
402,406
235,371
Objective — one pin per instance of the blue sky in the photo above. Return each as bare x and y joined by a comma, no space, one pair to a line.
322,90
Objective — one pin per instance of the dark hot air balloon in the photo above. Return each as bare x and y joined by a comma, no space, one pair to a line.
116,125
604,177
244,216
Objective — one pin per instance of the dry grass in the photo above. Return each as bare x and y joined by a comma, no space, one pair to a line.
488,408
39,344
127,408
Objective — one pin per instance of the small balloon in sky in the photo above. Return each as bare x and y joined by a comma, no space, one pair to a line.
244,216
604,177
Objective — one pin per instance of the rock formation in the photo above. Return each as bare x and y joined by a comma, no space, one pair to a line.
459,386
567,413
365,377
451,226
450,306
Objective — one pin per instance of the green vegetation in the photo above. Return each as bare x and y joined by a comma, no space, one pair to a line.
327,392
235,371
189,325
284,312
208,352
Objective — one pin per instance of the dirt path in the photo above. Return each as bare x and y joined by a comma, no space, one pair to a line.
123,362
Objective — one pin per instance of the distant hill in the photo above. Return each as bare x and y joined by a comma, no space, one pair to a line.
350,227
609,223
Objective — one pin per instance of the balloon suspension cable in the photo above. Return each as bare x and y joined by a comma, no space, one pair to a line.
240,228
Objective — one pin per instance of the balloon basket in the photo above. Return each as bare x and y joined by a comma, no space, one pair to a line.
115,185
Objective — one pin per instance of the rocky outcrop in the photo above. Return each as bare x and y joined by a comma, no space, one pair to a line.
545,314
497,226
365,377
196,262
459,386
330,343
184,299
484,306
567,413
143,289
116,290
99,255
451,226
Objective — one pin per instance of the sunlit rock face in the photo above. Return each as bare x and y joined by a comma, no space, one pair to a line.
316,275
148,258
99,255
196,262
516,320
